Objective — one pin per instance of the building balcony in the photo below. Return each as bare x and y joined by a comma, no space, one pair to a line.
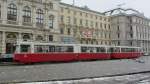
12,22
27,24
39,25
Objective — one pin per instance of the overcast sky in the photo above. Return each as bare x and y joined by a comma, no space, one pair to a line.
104,5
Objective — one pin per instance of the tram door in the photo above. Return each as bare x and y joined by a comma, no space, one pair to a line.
10,48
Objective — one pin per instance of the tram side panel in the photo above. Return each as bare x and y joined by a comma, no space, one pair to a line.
125,53
45,57
93,53
54,55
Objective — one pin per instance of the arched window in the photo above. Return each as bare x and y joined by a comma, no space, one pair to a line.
27,14
51,21
26,37
12,12
39,38
40,17
11,36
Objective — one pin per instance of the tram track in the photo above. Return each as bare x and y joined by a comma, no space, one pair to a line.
82,78
33,67
138,60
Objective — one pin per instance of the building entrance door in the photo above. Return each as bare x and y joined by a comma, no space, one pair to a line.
10,48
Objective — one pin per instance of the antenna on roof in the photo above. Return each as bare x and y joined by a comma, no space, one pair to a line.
73,3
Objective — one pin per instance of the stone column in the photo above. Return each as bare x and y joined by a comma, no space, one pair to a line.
20,37
3,42
34,15
46,18
4,12
19,13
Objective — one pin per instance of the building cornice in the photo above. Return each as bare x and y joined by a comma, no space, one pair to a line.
81,8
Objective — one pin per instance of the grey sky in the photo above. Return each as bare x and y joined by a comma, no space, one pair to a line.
104,5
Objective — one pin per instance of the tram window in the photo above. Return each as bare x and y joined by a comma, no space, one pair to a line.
25,48
10,48
69,49
116,49
58,49
111,50
83,49
101,49
51,48
98,49
39,49
128,49
123,50
133,50
90,49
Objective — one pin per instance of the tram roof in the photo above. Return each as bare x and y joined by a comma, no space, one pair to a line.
63,44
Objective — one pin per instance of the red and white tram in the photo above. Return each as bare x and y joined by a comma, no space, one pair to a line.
29,52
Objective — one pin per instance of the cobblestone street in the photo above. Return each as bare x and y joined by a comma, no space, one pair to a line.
47,72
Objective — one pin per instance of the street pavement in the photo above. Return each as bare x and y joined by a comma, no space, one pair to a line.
61,71
127,79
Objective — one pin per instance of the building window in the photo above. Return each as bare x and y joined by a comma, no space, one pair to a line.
62,10
109,26
96,24
27,14
81,23
26,37
39,38
69,31
68,11
80,13
96,17
86,15
12,12
118,35
91,24
75,21
86,22
61,30
91,16
50,37
40,17
118,28
131,43
68,19
51,5
51,21
105,26
131,35
118,43
62,18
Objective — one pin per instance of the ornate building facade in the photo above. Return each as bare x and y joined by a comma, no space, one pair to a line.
82,25
130,28
49,21
27,20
